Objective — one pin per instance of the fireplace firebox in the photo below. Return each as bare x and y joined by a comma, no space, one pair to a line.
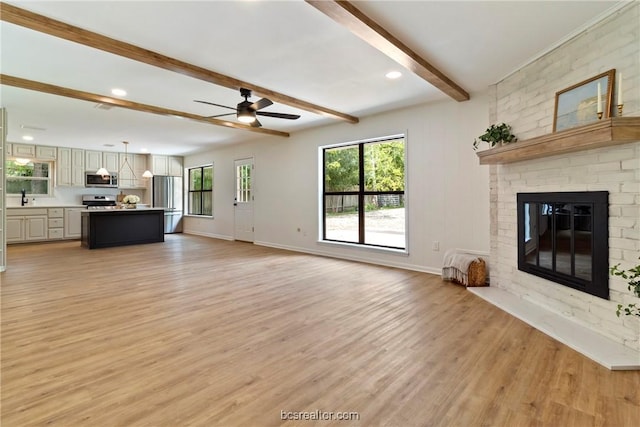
563,237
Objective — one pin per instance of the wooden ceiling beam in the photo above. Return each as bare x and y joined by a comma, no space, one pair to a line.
347,15
92,97
43,24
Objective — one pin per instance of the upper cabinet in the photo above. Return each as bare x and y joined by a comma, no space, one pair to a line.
23,150
110,161
70,167
44,152
30,151
95,160
175,166
166,165
160,165
131,167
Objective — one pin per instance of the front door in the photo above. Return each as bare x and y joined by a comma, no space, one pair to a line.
244,200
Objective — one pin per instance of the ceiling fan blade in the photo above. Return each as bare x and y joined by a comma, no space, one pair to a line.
256,124
217,105
278,115
259,105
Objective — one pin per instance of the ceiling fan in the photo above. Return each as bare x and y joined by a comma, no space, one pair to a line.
246,111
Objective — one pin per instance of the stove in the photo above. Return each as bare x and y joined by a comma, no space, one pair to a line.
93,201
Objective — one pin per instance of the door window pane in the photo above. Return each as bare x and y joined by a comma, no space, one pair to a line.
243,183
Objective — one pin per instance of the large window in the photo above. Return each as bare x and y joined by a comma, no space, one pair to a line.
363,193
201,191
31,176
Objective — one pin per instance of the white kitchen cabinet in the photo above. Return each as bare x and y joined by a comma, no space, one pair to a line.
110,161
55,223
63,167
166,165
159,165
77,167
44,152
93,160
27,225
72,222
70,167
175,166
15,229
36,227
23,150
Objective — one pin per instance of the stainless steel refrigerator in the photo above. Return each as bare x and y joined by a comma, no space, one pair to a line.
167,194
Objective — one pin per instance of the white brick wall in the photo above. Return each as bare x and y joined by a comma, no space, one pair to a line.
525,100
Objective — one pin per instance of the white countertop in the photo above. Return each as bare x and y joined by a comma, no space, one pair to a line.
45,206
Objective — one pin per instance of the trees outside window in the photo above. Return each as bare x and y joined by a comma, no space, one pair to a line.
363,193
33,177
201,190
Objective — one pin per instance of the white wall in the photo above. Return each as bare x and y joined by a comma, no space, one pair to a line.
447,191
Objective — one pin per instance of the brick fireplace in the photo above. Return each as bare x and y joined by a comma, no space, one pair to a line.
525,100
615,170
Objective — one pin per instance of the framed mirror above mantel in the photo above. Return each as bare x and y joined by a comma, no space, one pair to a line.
605,133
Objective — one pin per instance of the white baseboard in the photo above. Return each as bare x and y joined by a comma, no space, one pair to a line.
212,235
403,265
593,345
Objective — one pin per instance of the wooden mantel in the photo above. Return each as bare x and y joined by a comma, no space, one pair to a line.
604,133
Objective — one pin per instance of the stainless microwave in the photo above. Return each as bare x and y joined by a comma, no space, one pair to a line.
92,179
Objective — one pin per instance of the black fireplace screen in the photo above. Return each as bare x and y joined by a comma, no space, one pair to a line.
563,237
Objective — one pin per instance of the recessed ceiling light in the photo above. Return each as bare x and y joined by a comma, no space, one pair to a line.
118,92
144,150
393,75
27,137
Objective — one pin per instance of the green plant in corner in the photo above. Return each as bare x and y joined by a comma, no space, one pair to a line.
496,134
633,277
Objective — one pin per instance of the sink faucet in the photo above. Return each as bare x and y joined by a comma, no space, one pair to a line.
24,200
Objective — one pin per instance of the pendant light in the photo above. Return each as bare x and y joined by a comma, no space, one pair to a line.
126,162
102,172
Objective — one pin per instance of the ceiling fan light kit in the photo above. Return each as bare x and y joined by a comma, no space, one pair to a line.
246,111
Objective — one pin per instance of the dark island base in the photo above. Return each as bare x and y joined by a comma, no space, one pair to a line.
121,227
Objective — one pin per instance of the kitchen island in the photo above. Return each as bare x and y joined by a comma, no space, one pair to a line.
103,228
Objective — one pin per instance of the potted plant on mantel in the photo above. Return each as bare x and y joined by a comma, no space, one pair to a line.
496,135
633,277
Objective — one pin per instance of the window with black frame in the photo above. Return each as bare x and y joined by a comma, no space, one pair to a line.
201,191
363,193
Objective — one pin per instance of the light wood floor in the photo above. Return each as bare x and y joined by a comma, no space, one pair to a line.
203,332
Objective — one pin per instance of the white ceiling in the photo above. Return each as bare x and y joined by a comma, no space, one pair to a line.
286,46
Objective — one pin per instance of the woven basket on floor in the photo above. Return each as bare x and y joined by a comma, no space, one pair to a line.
477,274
